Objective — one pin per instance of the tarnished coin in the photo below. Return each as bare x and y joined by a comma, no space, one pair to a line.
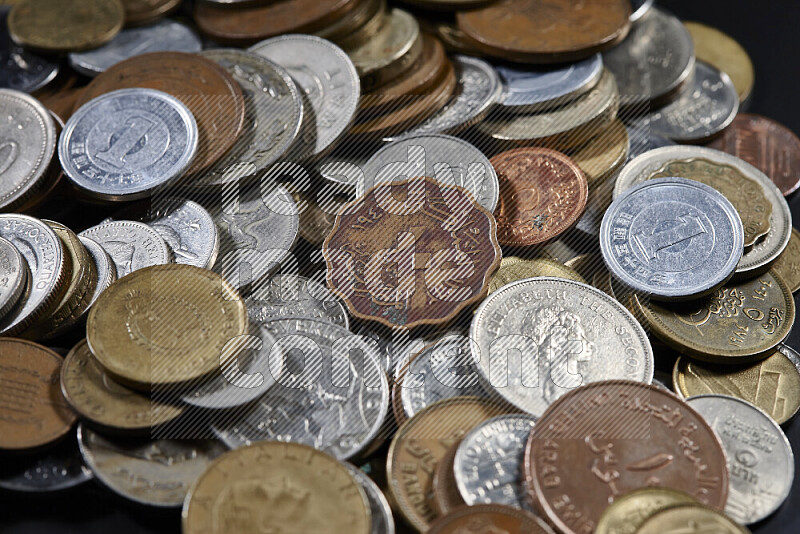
139,12
513,269
125,144
22,70
14,276
723,52
627,513
33,412
489,518
283,486
164,325
153,473
104,265
286,295
58,468
382,519
131,244
163,36
542,194
537,339
688,518
788,263
741,322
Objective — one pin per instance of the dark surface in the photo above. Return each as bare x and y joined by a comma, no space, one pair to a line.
767,30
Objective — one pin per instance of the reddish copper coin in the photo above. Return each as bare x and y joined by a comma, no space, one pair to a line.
489,519
211,94
446,496
765,144
33,411
413,253
140,12
605,439
542,194
546,31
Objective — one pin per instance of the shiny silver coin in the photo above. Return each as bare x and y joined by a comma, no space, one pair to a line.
106,269
284,296
27,145
124,144
528,90
163,36
382,519
760,459
326,75
703,109
149,472
58,468
447,159
639,8
333,394
488,466
22,70
14,276
132,245
273,116
672,239
539,338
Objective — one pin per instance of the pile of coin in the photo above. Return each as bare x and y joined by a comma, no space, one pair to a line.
430,266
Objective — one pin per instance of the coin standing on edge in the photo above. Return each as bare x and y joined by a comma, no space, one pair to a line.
132,245
284,296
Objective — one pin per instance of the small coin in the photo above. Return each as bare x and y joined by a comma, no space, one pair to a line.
604,154
22,70
788,263
104,265
381,512
723,52
33,412
492,517
627,513
140,12
513,269
132,245
306,491
690,517
446,496
58,468
14,276
284,296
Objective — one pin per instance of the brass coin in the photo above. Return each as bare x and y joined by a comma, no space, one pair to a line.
100,400
628,512
690,518
604,154
741,322
788,263
65,25
723,52
164,325
32,409
141,12
272,486
513,269
363,22
773,384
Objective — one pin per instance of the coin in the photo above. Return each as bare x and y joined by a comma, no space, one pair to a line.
319,216
132,245
104,265
64,25
554,32
513,269
326,75
767,145
627,513
693,517
22,70
446,496
492,518
362,23
788,263
543,192
604,154
163,36
283,486
565,332
286,295
435,229
381,513
58,468
420,444
741,322
640,8
723,52
164,325
14,276
139,12
33,412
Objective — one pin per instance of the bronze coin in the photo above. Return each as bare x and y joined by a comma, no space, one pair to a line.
208,90
33,411
604,439
141,12
491,519
446,496
546,31
542,194
765,144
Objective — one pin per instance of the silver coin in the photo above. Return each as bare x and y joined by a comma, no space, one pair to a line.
447,159
44,255
539,338
654,60
528,89
759,457
704,108
284,296
327,76
163,36
150,472
333,394
27,145
488,465
395,346
132,245
124,144
56,469
639,8
382,519
106,269
273,116
758,259
14,276
672,239
22,70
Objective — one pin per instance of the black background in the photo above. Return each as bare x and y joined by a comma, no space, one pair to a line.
768,29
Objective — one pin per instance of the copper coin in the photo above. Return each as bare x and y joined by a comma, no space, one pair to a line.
491,519
605,439
246,26
141,12
542,194
33,411
411,253
765,144
208,90
546,31
446,496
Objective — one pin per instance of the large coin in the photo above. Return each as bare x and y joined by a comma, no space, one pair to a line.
492,517
14,276
22,70
626,514
131,244
284,296
688,518
722,51
537,339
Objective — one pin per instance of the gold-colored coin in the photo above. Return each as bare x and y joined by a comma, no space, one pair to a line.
513,269
587,265
745,193
164,325
723,52
65,25
273,486
97,398
690,518
604,154
627,513
741,322
788,263
773,384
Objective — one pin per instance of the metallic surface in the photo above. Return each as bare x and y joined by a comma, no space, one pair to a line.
131,244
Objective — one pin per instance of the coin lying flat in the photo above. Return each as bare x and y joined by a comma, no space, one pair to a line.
14,276
690,517
132,245
722,51
513,269
493,517
629,511
58,468
603,155
285,295
104,265
22,70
